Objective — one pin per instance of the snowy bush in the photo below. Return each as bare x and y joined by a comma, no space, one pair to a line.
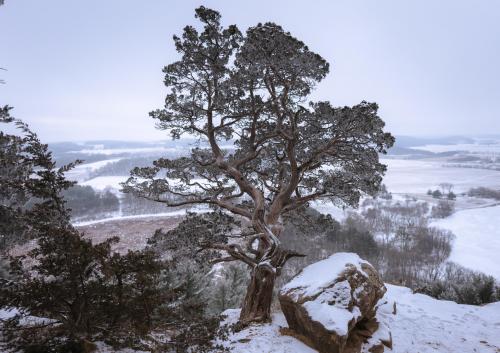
67,292
485,193
443,209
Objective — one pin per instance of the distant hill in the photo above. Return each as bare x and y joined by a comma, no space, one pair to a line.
411,141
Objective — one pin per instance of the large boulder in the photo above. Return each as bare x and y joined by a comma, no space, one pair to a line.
332,304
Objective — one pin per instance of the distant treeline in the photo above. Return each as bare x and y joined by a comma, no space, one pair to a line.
484,193
89,204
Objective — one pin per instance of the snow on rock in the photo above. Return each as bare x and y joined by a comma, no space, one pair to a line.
421,324
332,303
333,317
322,274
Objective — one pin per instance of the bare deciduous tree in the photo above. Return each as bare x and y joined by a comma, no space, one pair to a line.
249,92
446,188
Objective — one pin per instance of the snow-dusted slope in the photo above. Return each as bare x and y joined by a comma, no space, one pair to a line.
477,242
421,325
263,338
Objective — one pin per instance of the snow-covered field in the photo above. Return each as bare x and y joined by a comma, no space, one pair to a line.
174,213
480,147
476,229
477,243
105,182
114,151
421,325
83,171
418,176
119,218
403,176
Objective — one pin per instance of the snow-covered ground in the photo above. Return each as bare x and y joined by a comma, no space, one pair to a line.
99,149
477,243
148,215
175,213
418,176
327,207
403,176
264,338
493,147
104,182
421,325
478,237
83,171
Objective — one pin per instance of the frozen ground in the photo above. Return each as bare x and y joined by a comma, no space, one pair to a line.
421,325
477,243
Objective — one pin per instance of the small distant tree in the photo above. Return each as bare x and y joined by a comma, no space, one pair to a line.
443,209
384,193
451,196
249,92
446,188
437,194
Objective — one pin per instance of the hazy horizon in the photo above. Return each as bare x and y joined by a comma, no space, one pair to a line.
80,71
167,138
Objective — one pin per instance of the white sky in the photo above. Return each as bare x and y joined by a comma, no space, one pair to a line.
80,70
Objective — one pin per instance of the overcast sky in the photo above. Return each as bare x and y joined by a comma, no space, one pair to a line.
80,70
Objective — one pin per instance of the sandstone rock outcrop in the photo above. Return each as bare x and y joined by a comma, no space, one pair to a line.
333,303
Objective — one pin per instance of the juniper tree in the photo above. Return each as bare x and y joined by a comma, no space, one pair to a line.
68,291
249,92
30,184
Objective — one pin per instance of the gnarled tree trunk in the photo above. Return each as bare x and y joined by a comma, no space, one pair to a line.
257,303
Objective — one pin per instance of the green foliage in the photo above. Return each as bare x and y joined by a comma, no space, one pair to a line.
85,290
351,239
229,289
30,185
85,201
437,194
462,285
67,291
253,90
192,235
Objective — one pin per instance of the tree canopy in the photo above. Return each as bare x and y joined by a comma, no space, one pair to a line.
248,94
263,150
